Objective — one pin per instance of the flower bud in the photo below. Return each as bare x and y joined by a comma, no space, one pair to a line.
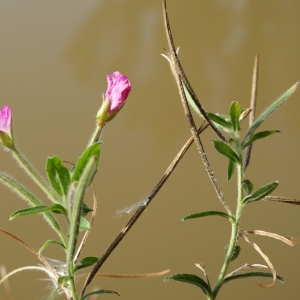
6,136
114,98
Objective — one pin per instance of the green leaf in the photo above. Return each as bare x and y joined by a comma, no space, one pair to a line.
219,120
99,292
247,186
252,274
24,194
206,214
236,252
224,149
58,175
230,170
86,262
76,216
56,208
93,150
85,210
259,135
261,192
235,112
275,105
63,279
84,224
47,243
191,279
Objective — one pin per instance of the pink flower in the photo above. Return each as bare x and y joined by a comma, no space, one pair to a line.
6,137
117,92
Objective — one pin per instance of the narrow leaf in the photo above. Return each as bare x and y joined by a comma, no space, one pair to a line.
219,120
85,179
85,210
247,186
224,149
47,243
63,279
84,224
275,105
235,254
235,112
191,279
252,274
259,135
230,170
207,213
86,262
99,292
58,175
261,192
93,150
56,208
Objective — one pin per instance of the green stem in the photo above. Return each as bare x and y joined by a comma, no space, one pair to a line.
72,286
234,232
35,176
96,135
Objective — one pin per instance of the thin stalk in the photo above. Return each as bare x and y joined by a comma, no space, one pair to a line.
234,232
35,176
96,135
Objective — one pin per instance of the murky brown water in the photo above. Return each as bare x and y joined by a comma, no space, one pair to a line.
54,58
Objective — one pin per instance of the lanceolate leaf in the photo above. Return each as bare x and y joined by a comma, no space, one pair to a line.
252,274
261,192
206,214
58,175
236,252
235,112
86,262
219,120
93,150
259,135
84,224
224,149
85,179
99,292
275,105
247,186
230,170
56,208
191,279
48,243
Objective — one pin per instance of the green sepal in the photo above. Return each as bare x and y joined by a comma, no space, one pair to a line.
56,208
99,292
258,136
230,170
269,110
206,214
58,175
252,274
235,254
84,224
93,150
191,279
261,192
85,262
219,120
247,186
235,112
47,243
224,149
